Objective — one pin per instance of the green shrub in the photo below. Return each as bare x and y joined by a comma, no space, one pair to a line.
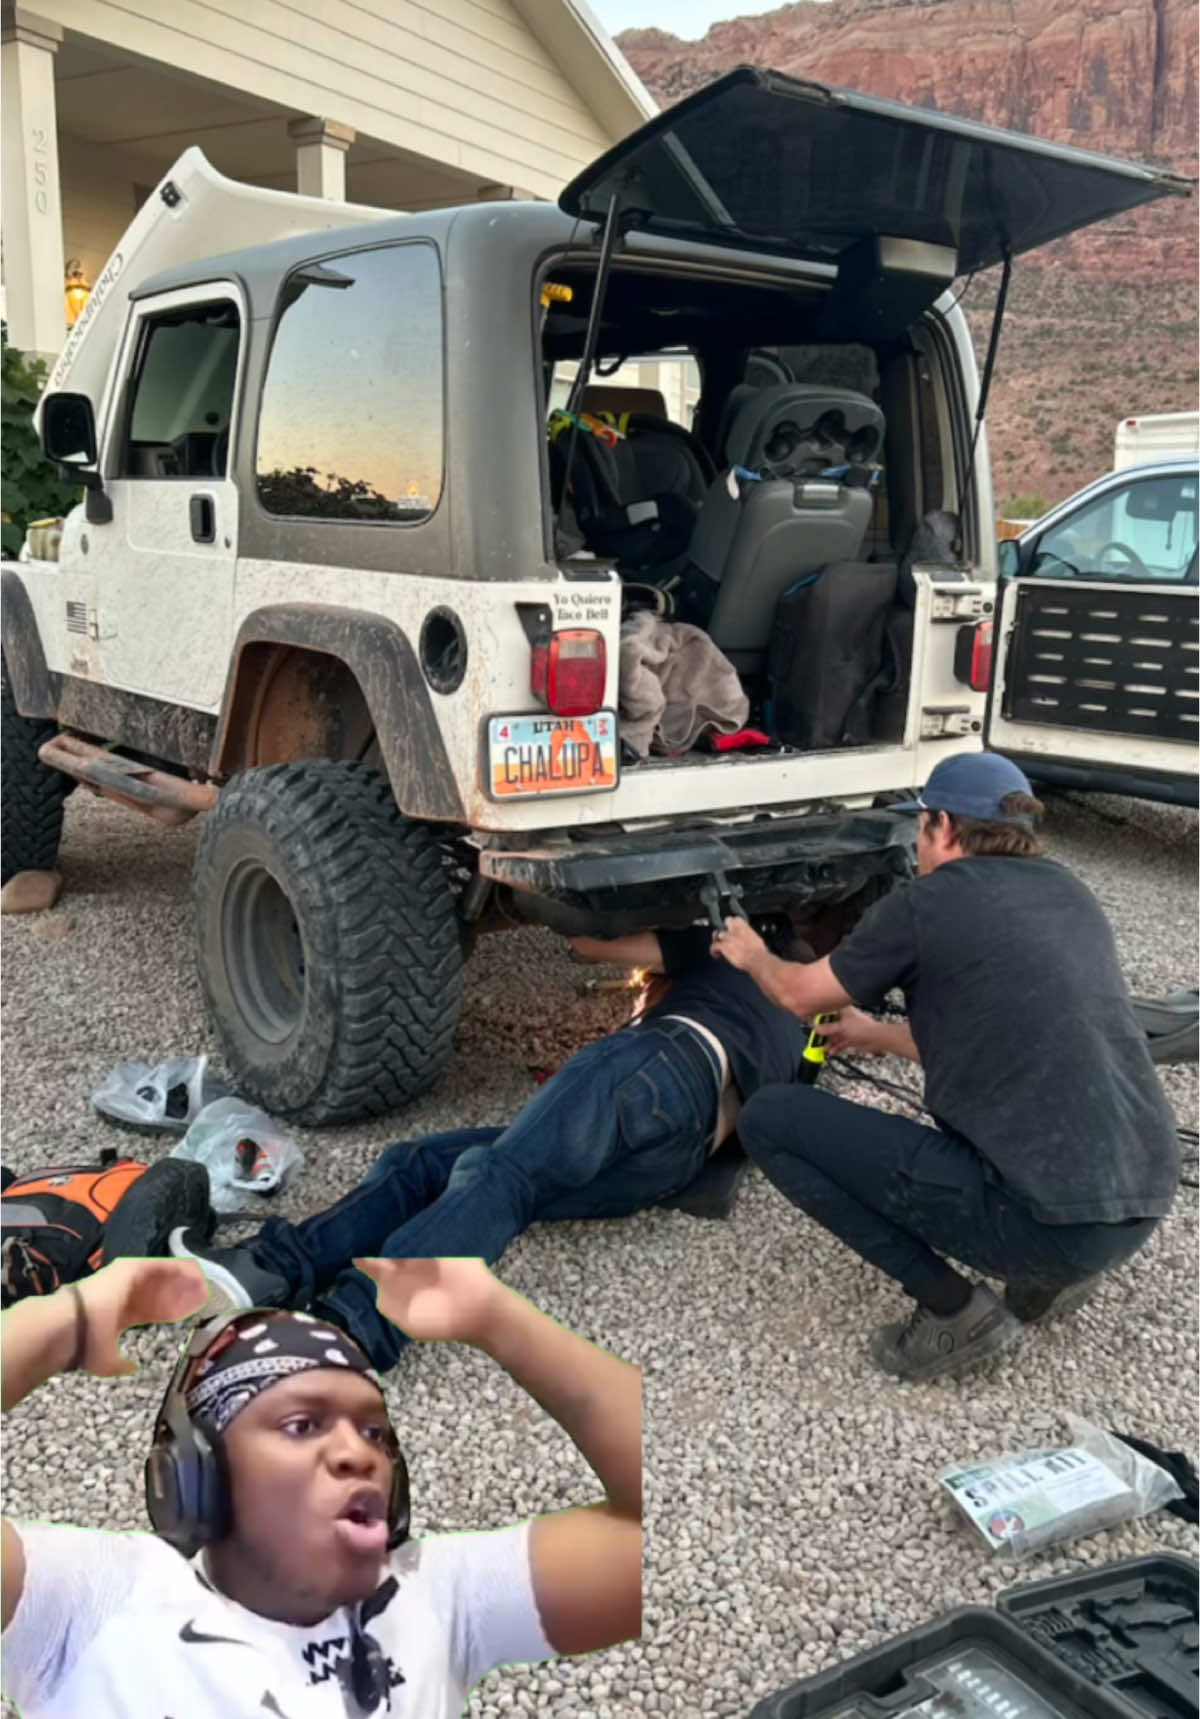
31,487
1023,507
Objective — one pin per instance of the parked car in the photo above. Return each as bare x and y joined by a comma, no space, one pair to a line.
334,583
1097,678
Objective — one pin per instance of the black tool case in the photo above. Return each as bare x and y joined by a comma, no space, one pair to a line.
1131,1629
1118,1642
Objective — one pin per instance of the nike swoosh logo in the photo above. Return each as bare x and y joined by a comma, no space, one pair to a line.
190,1633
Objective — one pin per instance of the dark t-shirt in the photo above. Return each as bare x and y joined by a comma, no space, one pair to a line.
764,1043
1029,1044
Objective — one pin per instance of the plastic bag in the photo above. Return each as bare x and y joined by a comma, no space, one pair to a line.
168,1094
1038,1498
243,1151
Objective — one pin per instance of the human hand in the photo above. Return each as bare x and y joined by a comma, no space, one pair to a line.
130,1292
435,1300
739,944
850,1030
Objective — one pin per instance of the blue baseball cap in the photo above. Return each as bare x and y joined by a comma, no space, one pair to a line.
973,785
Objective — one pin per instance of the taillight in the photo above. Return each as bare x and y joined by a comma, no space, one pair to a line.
568,670
973,656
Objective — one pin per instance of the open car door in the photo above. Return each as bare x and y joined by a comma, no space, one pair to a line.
1096,680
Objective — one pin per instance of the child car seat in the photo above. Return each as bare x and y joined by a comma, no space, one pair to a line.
781,518
636,495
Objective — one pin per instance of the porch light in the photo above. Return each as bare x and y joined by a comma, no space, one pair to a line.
78,291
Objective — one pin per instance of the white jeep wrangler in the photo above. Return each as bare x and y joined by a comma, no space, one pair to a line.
335,587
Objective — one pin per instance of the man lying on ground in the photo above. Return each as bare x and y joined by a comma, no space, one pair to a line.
1055,1152
628,1122
276,1474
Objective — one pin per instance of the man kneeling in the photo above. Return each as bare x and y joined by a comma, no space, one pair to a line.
1055,1153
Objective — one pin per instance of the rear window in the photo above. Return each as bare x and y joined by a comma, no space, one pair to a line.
351,421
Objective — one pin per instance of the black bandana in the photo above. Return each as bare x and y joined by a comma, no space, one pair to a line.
248,1357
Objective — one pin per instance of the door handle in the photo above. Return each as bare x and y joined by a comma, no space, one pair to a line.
204,519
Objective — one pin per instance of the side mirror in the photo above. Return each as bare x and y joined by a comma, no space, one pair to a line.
68,436
1008,558
69,430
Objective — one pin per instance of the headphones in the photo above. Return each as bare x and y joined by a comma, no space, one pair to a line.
187,1471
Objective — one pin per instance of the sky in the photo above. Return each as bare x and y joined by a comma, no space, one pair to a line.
688,18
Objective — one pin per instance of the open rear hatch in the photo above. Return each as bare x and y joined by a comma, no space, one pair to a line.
768,163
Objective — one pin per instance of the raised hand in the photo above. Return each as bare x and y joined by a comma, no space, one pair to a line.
435,1300
131,1292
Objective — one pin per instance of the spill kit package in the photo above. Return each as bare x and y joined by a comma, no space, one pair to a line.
243,1151
1037,1498
168,1094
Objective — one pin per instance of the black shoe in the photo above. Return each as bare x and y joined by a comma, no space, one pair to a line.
236,1281
1032,1302
927,1345
713,1192
171,1194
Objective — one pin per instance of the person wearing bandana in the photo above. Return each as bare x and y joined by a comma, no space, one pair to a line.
285,1583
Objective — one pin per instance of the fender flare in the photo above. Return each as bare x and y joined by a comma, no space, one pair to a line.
34,689
381,658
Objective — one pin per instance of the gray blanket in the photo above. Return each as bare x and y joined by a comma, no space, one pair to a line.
675,683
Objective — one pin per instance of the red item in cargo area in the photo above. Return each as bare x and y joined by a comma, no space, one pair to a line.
738,742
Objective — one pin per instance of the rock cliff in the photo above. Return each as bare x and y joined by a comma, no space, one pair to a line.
1104,323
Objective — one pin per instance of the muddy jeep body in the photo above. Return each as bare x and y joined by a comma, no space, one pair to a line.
337,688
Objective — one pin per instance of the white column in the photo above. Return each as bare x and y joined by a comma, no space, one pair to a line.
30,201
321,146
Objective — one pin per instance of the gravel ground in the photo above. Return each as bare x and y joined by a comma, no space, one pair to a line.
794,1516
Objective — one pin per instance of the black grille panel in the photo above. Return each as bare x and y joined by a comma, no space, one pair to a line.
1123,662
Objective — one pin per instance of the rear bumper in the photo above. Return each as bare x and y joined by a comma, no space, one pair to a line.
621,882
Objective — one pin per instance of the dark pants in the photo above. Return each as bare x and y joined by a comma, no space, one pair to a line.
901,1195
626,1123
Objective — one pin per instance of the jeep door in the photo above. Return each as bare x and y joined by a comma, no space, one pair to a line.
164,565
1097,668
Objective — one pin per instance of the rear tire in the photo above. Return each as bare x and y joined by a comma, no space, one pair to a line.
327,942
32,795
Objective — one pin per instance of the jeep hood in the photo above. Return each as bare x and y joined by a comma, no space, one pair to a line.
762,161
193,212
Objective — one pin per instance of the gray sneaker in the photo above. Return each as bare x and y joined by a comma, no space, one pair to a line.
236,1281
1033,1302
926,1346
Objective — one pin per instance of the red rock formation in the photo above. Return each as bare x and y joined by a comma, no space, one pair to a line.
1101,324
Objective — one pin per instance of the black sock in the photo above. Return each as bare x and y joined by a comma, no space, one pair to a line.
949,1297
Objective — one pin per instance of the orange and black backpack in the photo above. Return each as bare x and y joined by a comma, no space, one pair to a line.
59,1224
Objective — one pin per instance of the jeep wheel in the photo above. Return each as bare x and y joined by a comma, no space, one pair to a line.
31,799
327,942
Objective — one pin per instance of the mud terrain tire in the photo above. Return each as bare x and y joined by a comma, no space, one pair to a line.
31,795
327,942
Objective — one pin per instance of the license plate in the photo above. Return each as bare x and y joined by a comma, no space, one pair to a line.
529,756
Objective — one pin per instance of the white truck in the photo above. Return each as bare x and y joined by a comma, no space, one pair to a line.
1156,436
334,585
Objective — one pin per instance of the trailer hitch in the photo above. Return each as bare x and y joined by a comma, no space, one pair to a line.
713,889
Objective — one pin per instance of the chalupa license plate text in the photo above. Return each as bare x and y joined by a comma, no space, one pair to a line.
530,755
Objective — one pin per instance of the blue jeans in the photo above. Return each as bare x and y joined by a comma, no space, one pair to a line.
903,1195
626,1123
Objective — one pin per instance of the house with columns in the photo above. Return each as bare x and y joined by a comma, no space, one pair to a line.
402,104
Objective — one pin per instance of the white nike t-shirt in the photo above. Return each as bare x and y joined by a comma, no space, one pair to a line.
120,1626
